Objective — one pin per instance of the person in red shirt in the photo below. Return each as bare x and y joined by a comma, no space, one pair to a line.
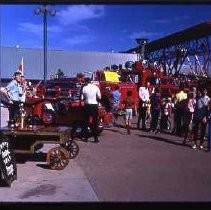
128,104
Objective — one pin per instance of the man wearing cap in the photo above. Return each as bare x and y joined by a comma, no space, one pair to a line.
14,93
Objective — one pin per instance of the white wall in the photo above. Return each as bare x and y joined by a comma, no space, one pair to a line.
70,62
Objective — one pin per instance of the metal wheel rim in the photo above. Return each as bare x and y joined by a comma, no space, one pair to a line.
57,158
72,148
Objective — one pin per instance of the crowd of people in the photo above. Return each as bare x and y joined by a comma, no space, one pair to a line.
185,114
190,110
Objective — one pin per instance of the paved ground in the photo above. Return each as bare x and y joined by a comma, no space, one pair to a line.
37,183
141,167
146,167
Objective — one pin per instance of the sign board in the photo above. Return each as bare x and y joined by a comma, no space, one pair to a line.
111,76
8,169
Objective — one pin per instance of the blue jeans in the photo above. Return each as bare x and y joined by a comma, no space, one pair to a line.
114,109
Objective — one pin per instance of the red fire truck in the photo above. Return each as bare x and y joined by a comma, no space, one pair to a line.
135,75
64,93
58,103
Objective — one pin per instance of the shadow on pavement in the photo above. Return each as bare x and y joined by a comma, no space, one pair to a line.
43,165
36,157
158,138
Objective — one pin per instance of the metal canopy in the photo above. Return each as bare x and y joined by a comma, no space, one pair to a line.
195,32
192,45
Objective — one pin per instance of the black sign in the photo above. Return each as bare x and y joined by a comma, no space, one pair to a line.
8,169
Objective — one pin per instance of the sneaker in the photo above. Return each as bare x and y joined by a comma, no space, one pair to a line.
201,147
194,146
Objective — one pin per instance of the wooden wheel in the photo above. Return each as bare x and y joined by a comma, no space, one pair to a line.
72,148
57,158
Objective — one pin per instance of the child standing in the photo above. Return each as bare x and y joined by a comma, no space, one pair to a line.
166,112
128,104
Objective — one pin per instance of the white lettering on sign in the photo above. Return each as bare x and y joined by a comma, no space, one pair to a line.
5,153
4,144
10,169
7,160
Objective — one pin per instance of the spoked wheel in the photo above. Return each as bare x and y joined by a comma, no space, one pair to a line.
57,158
72,148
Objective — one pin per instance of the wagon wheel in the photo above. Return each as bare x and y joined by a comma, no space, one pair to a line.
72,148
57,158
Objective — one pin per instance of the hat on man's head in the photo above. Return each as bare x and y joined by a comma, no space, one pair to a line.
17,73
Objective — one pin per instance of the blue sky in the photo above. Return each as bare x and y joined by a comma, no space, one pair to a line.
102,28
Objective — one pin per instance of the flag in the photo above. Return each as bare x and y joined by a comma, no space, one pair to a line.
20,68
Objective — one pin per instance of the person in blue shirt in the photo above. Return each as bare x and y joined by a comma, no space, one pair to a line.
115,101
14,93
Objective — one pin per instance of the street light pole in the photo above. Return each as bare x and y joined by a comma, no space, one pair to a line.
45,11
45,43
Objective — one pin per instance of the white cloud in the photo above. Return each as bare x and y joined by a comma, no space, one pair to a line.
143,34
172,19
37,29
77,40
31,27
181,18
162,21
54,29
71,15
31,43
75,14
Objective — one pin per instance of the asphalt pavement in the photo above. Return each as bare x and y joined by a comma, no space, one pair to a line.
146,167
